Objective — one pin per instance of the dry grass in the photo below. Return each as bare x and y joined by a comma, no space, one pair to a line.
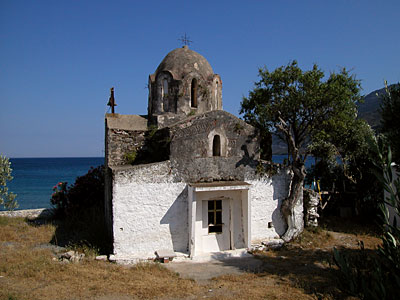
301,270
307,263
29,272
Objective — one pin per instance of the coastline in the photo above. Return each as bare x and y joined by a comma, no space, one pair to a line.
27,213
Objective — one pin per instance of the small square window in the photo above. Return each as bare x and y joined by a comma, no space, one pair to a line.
215,216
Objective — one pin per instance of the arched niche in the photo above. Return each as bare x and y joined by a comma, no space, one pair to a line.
216,89
164,88
216,145
163,99
193,93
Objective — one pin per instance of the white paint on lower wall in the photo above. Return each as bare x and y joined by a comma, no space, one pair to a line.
150,210
266,198
150,217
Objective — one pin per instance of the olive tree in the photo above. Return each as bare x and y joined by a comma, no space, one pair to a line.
7,199
301,108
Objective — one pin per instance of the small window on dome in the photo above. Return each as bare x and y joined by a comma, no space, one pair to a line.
193,93
216,92
164,89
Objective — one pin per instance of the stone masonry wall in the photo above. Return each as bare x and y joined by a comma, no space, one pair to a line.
120,142
192,148
149,146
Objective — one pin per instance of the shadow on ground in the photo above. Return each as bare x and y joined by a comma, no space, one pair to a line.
312,270
84,230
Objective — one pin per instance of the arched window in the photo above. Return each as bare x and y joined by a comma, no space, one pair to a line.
193,93
164,89
216,91
217,145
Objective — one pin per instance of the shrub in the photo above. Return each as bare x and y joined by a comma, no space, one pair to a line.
86,192
7,199
378,278
130,157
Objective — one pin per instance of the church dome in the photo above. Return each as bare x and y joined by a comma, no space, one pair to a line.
183,61
183,84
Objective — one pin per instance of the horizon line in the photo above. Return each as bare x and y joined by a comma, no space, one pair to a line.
38,157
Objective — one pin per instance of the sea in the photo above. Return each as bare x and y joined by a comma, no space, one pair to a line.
34,178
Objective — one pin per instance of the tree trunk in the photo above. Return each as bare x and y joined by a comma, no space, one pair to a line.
294,224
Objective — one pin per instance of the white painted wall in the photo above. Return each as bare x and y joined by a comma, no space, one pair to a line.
266,197
151,210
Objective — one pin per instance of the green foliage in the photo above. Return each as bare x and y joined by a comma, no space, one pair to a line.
302,110
7,199
390,111
130,157
156,146
377,278
152,131
86,192
238,127
344,165
269,169
300,105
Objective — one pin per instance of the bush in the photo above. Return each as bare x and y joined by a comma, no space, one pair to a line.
80,210
86,192
377,278
7,199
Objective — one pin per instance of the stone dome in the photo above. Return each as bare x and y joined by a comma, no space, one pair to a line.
183,61
183,84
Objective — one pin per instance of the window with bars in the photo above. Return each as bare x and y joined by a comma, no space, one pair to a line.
215,216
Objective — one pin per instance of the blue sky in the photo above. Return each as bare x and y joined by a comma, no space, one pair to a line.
58,59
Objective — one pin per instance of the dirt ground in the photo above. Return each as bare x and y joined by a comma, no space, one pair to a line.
202,272
303,269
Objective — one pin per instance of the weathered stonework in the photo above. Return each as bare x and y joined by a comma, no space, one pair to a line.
122,142
193,183
183,84
192,148
311,202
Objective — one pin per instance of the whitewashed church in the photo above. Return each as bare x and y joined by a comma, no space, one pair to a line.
186,177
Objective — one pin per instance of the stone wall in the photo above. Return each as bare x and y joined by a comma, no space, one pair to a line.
121,142
192,148
171,90
147,146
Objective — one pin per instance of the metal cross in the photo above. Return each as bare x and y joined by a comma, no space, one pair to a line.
185,40
111,101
